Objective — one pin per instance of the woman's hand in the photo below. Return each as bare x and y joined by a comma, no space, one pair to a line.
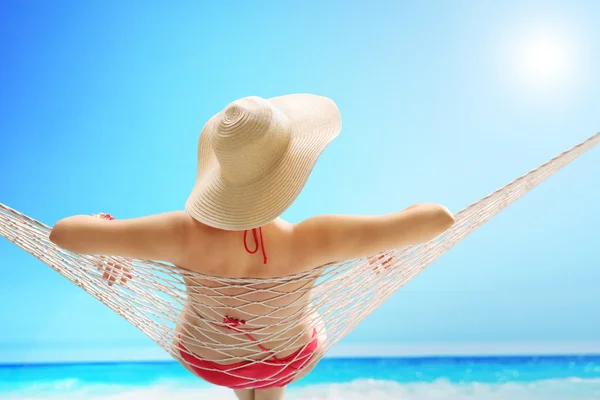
115,271
380,260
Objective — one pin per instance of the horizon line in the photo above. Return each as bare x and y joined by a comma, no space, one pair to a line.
155,354
415,358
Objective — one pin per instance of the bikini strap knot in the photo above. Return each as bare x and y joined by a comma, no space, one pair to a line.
233,322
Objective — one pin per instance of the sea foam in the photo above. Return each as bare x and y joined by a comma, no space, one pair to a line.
559,389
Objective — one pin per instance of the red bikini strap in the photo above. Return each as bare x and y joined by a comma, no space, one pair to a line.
232,324
262,243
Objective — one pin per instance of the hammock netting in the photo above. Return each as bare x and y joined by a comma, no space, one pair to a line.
162,300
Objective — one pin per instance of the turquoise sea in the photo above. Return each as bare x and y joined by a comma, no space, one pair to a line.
460,378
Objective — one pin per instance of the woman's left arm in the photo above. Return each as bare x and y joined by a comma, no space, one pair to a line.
156,237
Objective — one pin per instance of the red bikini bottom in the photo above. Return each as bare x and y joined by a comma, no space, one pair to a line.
269,373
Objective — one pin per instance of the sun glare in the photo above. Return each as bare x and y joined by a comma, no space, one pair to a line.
543,59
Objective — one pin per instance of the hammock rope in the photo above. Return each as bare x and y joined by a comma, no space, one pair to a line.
159,295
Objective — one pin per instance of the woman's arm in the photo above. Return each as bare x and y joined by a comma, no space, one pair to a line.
156,237
330,238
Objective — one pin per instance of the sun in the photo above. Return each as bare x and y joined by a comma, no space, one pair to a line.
543,59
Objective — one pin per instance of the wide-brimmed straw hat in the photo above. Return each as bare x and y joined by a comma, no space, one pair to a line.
255,156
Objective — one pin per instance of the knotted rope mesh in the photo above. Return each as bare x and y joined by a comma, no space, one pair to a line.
174,306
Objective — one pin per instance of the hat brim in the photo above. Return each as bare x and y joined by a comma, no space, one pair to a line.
315,121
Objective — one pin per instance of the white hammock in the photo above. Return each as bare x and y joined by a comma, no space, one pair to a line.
344,293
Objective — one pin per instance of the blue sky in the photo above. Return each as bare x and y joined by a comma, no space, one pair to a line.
101,106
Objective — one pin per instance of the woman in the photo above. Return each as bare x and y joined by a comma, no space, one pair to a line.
254,157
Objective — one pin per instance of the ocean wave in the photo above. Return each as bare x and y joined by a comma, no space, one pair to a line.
559,389
564,389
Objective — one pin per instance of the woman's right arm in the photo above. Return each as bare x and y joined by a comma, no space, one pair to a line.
330,238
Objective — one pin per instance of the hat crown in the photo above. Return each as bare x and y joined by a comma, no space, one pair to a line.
249,138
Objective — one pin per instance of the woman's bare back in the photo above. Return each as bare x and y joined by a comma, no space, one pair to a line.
277,314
